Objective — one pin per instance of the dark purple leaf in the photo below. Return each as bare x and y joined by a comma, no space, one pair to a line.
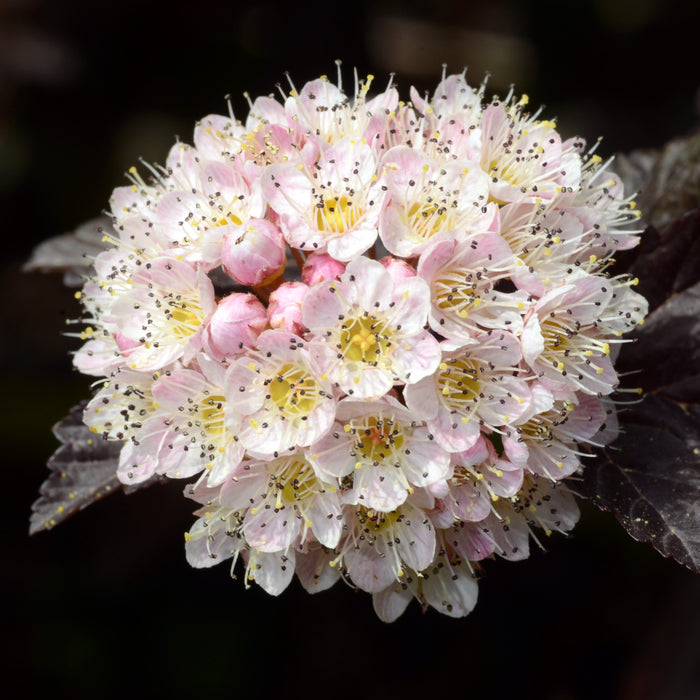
650,476
83,470
71,253
667,180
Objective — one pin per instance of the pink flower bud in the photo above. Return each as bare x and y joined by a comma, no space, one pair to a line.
319,267
284,309
254,253
235,325
398,269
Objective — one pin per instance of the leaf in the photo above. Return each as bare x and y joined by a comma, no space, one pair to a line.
650,476
72,252
83,470
667,180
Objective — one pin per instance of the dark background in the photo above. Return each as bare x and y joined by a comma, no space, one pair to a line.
105,605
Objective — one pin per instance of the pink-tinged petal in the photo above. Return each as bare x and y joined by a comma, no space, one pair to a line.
243,401
208,543
470,541
476,454
451,590
421,398
412,303
379,487
264,438
395,232
453,433
470,503
426,461
271,529
325,514
331,455
352,244
504,477
364,382
511,536
374,284
287,190
391,603
417,546
516,449
532,340
243,488
223,468
322,305
273,571
214,134
552,459
417,357
369,569
314,570
98,358
138,459
584,421
172,389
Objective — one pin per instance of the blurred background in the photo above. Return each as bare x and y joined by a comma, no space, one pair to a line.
105,605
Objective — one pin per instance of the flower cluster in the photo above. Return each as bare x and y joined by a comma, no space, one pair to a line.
374,334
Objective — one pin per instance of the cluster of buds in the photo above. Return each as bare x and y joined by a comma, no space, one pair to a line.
374,335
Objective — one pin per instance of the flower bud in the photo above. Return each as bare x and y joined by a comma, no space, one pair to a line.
284,308
319,267
255,253
398,269
235,325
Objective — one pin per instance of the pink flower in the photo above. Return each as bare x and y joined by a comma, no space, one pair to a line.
525,158
561,341
333,205
278,398
370,329
379,547
473,387
164,310
431,199
186,432
381,446
463,276
284,501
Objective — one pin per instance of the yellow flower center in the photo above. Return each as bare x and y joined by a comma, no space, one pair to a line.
212,414
459,384
337,215
293,391
361,341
